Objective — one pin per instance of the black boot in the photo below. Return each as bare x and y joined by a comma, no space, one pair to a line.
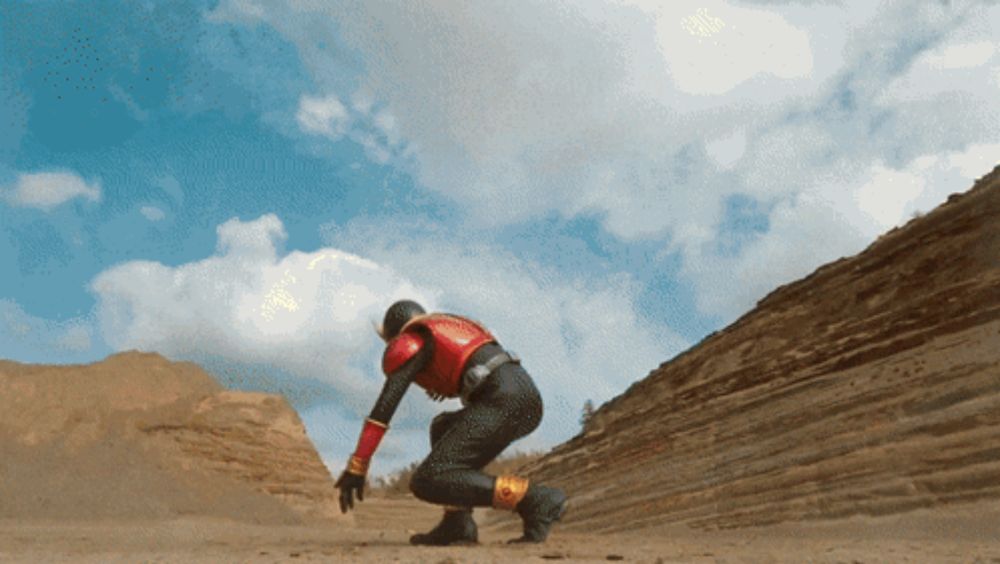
456,527
541,507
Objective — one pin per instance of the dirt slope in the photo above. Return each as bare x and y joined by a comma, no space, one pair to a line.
869,388
384,525
136,436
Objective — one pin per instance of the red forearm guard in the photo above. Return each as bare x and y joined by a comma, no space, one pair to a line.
371,436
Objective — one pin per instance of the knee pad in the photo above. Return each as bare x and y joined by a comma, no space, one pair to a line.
422,483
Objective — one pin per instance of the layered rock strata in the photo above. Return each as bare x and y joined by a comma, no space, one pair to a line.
869,388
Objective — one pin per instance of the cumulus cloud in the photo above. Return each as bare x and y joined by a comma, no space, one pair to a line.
300,323
308,316
308,313
47,190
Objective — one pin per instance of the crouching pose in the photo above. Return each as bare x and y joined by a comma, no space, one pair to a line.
451,356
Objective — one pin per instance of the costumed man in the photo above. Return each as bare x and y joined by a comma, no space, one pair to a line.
452,356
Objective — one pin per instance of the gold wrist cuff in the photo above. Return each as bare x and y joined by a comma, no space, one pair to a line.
357,466
508,491
376,423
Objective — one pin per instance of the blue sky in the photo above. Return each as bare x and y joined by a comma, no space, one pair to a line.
249,184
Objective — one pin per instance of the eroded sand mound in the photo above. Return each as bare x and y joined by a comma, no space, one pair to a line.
870,388
137,436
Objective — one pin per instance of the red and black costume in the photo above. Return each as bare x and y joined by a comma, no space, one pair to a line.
451,356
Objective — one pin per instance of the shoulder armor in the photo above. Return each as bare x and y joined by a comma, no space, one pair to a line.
401,349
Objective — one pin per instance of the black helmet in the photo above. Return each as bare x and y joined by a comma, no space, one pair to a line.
397,315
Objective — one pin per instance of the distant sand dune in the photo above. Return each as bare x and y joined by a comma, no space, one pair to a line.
137,436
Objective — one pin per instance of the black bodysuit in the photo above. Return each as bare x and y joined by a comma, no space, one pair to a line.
504,407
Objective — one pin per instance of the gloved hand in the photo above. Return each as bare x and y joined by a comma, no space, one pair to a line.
350,484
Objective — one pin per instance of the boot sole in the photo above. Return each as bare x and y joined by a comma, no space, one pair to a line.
562,510
559,513
452,543
464,543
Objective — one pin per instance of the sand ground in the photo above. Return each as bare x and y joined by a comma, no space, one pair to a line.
382,527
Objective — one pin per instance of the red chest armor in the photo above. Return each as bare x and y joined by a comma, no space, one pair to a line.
455,339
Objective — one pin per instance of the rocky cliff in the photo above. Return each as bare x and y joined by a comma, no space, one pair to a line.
869,388
138,436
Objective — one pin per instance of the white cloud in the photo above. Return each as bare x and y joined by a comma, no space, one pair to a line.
374,129
639,113
297,317
726,151
960,68
949,96
887,194
590,109
46,190
960,55
833,219
152,213
76,338
323,116
28,338
650,115
579,339
309,315
711,49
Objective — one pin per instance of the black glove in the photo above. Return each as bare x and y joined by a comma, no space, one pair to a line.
350,484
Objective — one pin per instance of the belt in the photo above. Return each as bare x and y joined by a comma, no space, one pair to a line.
474,376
